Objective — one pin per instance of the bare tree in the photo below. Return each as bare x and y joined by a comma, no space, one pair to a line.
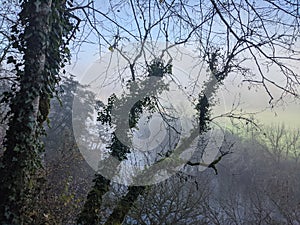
228,35
174,201
282,142
245,38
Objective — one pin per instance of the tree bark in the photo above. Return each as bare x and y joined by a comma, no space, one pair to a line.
90,214
21,158
124,205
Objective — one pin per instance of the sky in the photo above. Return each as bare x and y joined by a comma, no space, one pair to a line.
89,68
108,72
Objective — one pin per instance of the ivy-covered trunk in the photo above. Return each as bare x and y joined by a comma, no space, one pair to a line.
38,39
124,205
91,213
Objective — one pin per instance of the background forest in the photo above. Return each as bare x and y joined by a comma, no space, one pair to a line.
256,184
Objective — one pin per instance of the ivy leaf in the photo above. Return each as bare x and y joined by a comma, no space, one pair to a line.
111,48
10,59
14,159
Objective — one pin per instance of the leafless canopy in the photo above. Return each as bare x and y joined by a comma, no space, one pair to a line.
255,39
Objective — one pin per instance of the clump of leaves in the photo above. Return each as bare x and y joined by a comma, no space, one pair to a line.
158,69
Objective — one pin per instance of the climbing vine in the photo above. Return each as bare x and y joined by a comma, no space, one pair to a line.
90,213
40,37
141,97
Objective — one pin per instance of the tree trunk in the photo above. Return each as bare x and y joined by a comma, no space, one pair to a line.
124,205
203,107
21,158
90,214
